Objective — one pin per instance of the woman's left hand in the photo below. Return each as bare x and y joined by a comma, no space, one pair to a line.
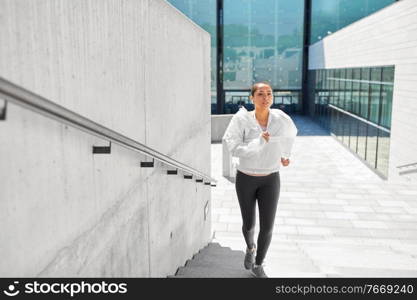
285,161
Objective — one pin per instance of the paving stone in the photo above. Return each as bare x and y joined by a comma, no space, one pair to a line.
349,196
229,204
411,210
344,220
354,208
237,227
302,200
333,201
230,219
335,223
369,224
394,233
341,215
391,210
299,221
393,203
221,210
307,214
352,232
303,237
283,229
375,217
219,226
329,208
310,230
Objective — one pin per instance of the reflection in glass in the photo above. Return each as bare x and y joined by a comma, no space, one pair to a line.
375,95
287,101
383,152
371,145
347,127
386,96
354,128
364,93
362,135
356,90
263,42
355,104
348,90
328,16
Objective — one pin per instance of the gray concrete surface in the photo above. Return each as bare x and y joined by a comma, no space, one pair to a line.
336,217
139,68
214,261
218,126
382,39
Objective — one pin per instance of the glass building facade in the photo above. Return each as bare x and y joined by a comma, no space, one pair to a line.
355,106
267,40
264,40
328,16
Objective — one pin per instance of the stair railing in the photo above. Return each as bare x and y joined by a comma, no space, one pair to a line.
407,168
15,94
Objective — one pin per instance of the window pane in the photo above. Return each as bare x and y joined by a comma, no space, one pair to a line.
348,90
333,120
364,94
233,100
346,131
355,90
386,96
342,88
263,42
337,87
328,16
371,145
383,152
340,123
375,94
354,134
362,133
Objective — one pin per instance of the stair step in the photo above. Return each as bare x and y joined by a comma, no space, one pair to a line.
215,261
222,263
215,254
212,272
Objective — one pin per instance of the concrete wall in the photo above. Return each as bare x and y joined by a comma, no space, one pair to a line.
387,37
219,124
137,67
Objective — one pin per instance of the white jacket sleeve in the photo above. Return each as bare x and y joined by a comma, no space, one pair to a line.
233,137
288,134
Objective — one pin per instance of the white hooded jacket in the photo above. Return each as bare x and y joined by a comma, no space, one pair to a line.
243,138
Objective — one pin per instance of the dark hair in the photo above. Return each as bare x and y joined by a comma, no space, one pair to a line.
255,86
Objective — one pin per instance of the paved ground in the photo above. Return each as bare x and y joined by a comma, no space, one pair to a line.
335,216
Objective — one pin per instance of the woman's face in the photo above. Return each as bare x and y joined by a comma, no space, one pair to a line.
262,99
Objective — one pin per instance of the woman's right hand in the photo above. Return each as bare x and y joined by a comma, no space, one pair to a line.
265,135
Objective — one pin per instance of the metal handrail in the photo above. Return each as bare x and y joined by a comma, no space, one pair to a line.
22,97
359,118
407,165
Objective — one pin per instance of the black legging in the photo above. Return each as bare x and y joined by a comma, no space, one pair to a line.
265,189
